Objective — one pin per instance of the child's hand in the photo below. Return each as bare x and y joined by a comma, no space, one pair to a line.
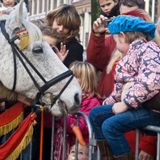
104,102
145,156
62,53
99,25
119,107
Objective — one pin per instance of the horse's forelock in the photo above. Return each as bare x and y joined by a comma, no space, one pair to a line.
34,32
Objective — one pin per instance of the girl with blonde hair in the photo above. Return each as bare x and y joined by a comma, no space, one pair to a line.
85,73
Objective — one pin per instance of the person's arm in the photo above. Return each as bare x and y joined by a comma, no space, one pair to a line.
115,96
100,46
99,50
147,81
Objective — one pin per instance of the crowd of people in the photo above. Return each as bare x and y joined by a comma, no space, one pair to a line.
122,50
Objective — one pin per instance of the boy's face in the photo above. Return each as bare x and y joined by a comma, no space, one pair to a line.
9,3
121,44
107,5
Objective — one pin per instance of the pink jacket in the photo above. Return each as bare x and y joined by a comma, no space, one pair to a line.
140,65
86,105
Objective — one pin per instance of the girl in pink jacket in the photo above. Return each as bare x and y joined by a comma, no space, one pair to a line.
86,75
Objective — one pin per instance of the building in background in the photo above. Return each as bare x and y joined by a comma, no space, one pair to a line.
153,8
84,9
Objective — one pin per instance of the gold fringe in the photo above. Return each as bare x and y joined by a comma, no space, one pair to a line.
23,144
10,126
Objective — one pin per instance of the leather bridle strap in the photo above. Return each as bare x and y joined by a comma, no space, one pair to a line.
53,82
58,96
17,52
47,84
2,25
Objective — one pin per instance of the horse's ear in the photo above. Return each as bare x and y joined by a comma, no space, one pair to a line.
21,12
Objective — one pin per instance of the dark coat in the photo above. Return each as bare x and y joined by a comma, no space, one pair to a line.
75,52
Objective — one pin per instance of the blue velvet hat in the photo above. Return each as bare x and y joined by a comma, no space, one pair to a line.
131,24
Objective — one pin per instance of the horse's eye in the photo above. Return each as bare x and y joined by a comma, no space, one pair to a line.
38,50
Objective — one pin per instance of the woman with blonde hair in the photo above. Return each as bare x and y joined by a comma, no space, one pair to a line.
65,20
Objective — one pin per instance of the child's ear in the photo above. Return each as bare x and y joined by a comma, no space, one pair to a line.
122,37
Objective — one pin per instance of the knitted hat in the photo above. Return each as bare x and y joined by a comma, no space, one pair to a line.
131,24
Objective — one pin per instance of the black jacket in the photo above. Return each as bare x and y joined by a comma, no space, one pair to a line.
75,52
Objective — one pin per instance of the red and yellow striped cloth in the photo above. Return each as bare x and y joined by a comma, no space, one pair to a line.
22,136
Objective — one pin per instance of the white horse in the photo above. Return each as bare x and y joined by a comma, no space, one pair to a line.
46,62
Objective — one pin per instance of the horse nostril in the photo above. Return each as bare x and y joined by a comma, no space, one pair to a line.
77,100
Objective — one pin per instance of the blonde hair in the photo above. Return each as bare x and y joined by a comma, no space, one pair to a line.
67,16
131,36
86,74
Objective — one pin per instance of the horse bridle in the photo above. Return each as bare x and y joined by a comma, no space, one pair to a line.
47,84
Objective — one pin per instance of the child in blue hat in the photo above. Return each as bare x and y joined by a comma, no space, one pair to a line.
140,66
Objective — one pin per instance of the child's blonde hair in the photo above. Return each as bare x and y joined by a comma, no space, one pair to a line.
132,36
86,74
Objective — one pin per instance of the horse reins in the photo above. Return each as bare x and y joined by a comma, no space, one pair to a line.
47,84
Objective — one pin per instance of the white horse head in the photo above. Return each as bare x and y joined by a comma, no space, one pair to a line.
46,62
